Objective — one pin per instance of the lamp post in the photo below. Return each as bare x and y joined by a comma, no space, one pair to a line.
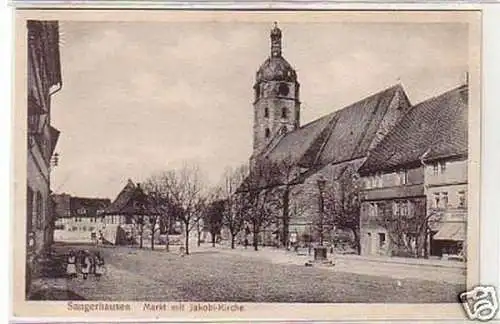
321,186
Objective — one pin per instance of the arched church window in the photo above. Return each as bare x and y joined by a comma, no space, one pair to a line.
266,112
267,132
284,112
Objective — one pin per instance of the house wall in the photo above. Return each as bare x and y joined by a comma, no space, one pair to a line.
43,62
446,189
455,172
398,193
37,212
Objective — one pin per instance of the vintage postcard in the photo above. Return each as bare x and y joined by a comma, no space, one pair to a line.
247,165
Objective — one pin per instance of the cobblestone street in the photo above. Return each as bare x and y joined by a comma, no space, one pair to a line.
221,274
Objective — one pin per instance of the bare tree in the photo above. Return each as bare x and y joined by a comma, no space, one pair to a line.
200,224
408,231
185,190
257,199
284,173
234,203
159,203
214,216
139,221
342,202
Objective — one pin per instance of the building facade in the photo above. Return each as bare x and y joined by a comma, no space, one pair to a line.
78,217
44,80
388,195
446,187
415,182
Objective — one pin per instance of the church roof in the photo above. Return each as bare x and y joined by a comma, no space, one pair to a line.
276,69
343,135
435,128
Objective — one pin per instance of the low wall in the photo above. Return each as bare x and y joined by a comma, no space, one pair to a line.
72,237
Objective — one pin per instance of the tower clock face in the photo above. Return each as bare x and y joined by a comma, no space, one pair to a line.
283,89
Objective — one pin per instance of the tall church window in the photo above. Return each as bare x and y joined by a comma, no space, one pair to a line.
267,132
266,112
284,112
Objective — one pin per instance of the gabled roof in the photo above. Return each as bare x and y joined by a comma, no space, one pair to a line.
343,135
436,127
130,201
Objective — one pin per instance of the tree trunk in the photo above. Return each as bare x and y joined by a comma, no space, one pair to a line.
167,243
141,230
256,240
286,216
213,239
356,241
426,245
199,239
187,239
153,238
232,240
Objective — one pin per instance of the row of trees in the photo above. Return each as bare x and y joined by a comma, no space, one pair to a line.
254,199
247,200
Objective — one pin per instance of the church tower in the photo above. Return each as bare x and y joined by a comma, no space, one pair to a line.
276,104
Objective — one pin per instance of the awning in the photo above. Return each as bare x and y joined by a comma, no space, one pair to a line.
451,232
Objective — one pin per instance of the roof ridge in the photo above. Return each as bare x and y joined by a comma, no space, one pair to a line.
447,92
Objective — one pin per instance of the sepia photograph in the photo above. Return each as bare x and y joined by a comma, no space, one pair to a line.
269,159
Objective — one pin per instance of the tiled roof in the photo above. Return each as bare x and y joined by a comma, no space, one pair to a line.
130,201
343,135
436,127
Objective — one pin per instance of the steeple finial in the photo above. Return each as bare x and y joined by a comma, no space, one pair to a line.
275,41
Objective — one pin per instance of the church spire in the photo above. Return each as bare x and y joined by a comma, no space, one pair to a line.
275,41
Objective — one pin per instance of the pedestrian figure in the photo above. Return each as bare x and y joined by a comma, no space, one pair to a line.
71,265
93,261
86,263
100,239
99,266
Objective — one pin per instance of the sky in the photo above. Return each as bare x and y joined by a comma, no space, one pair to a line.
144,97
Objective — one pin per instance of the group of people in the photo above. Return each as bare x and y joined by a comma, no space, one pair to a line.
85,262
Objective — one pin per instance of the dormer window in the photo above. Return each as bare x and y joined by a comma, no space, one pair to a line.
266,112
267,132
